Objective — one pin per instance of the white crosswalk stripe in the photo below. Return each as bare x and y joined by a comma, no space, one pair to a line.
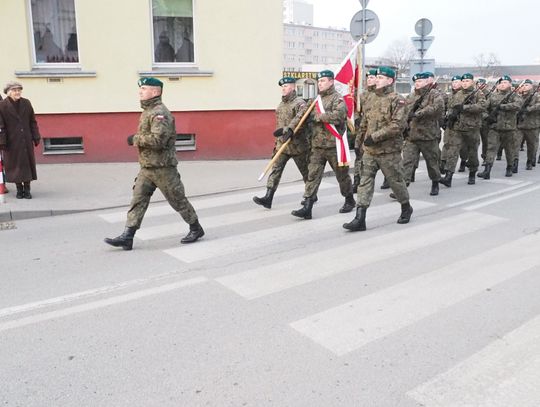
304,269
349,326
506,373
296,230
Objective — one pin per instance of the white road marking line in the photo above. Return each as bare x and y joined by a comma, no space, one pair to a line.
349,326
18,323
502,181
212,202
484,196
506,373
243,242
502,198
307,268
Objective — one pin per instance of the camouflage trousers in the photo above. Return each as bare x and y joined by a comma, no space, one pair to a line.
464,144
504,139
168,181
390,165
531,139
359,152
411,156
484,131
301,162
317,161
447,135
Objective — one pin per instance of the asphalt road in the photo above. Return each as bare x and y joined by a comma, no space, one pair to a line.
271,310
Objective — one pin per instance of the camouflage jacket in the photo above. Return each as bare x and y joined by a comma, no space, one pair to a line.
471,116
507,114
425,123
288,115
156,135
384,122
335,113
366,98
530,118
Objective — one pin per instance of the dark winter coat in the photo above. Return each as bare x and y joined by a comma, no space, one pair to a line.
18,134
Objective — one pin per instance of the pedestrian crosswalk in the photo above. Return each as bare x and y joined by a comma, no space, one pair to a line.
342,328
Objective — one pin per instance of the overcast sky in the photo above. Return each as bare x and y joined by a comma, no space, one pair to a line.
462,28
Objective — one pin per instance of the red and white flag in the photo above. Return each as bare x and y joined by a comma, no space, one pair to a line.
342,144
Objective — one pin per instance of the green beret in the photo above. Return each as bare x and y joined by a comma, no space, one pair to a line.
505,78
150,81
286,79
481,80
386,71
325,74
467,76
420,75
528,81
456,78
371,72
429,74
414,77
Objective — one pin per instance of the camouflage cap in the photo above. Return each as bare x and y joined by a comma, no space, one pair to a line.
325,74
286,79
456,78
149,81
386,71
371,72
505,78
467,76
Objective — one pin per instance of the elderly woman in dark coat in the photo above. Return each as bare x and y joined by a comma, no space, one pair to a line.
19,134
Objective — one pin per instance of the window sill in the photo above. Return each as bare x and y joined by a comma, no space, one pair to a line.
176,72
55,73
63,152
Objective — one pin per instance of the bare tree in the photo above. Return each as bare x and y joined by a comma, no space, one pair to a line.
399,55
488,65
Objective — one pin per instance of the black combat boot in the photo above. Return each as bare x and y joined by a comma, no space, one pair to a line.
515,166
349,204
472,178
508,171
406,212
20,191
447,180
356,183
434,188
413,174
266,200
462,166
305,211
125,240
26,188
385,184
441,167
359,222
314,199
195,233
486,173
528,165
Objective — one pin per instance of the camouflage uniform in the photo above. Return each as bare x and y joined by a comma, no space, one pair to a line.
529,126
365,98
384,122
502,132
288,115
424,134
155,141
447,135
323,144
466,130
484,129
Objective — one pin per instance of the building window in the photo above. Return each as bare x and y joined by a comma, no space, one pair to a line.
54,31
173,31
185,142
63,145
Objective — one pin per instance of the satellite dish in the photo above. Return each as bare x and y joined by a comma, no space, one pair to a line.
423,27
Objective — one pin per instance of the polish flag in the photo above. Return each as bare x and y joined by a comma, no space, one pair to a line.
346,81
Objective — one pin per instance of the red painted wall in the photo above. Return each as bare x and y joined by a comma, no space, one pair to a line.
218,135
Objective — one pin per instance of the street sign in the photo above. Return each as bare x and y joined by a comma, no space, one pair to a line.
422,43
364,3
421,65
423,27
365,23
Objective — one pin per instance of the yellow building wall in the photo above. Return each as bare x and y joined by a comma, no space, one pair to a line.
240,41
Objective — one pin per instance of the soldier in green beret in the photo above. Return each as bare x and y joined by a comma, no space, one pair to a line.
155,141
455,86
383,126
288,114
529,121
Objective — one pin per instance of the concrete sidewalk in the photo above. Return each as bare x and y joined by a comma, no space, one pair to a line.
70,188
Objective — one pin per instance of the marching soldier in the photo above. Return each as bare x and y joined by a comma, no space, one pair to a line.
424,133
383,126
455,86
371,76
323,147
502,106
465,109
484,130
288,114
155,140
528,121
